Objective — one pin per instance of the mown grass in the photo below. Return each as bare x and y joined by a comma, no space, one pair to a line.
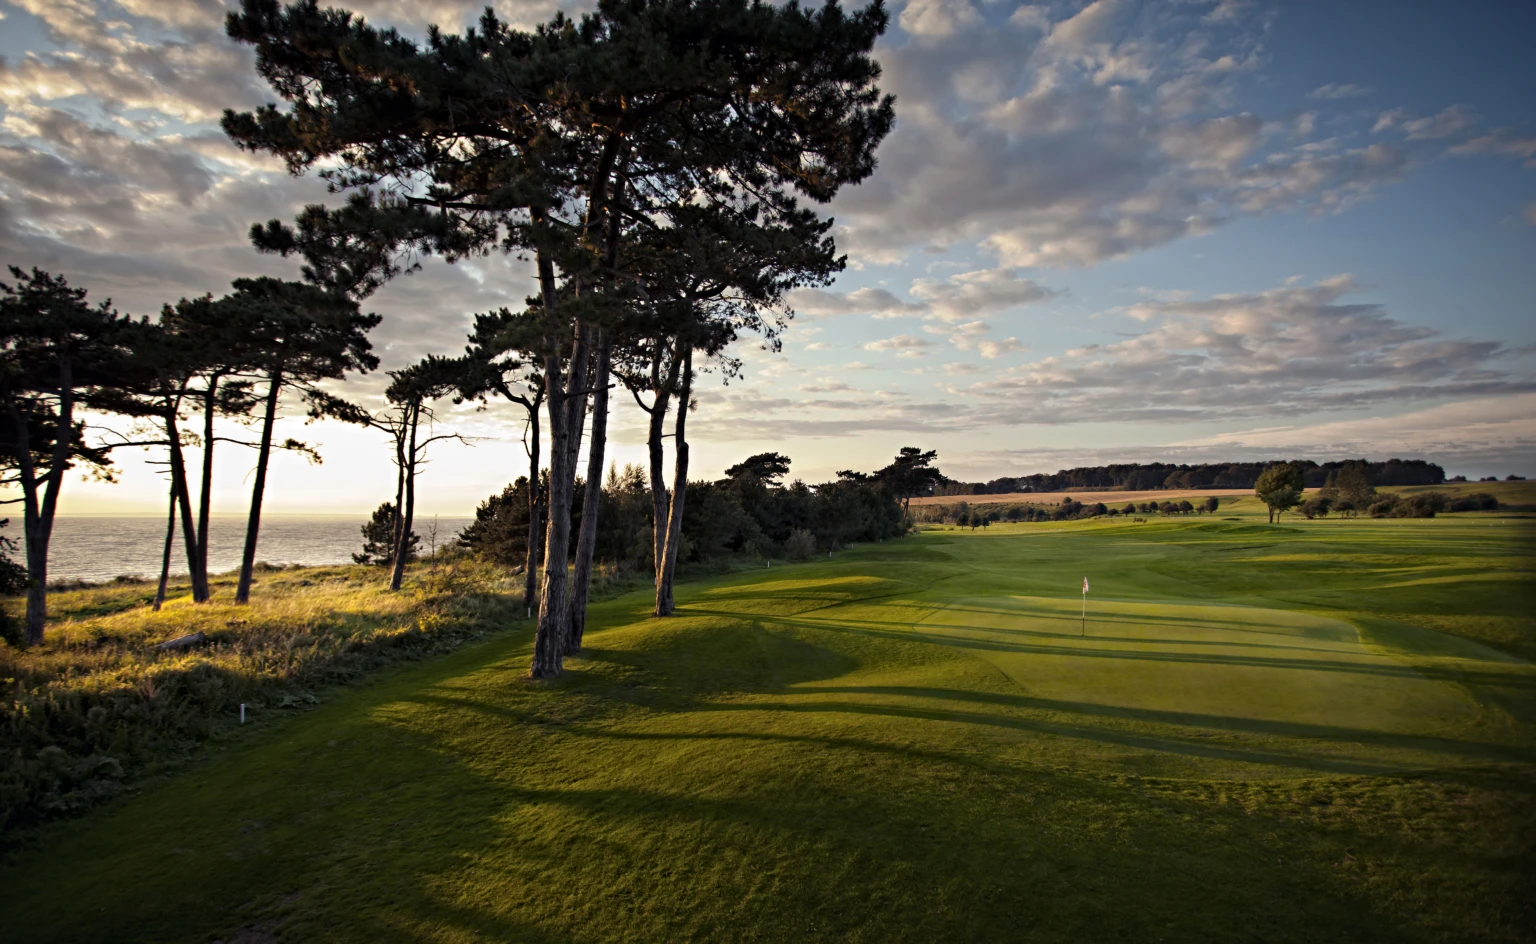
1255,737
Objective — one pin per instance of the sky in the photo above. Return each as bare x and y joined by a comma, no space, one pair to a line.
1186,231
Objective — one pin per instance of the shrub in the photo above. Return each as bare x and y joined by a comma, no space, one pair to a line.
1315,508
801,544
1381,509
1477,501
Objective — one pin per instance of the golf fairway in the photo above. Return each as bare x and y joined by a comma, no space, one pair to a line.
1309,733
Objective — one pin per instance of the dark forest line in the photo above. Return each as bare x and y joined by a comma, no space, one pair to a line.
1149,476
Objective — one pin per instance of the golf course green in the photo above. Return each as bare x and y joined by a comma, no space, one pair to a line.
1316,731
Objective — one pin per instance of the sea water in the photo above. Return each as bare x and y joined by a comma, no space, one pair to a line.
102,547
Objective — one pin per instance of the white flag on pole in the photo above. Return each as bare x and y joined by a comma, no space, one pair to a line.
1085,584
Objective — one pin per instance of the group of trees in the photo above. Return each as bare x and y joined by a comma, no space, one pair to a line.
1161,475
650,160
63,359
750,511
1069,509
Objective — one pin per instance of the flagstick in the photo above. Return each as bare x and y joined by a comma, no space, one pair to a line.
1084,631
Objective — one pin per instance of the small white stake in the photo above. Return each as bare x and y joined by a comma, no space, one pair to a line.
242,712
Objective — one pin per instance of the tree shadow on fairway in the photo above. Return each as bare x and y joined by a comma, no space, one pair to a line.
1379,668
1453,750
1112,612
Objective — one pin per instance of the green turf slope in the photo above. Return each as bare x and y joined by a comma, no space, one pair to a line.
1300,733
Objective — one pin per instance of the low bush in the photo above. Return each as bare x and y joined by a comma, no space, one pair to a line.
801,544
1477,501
1420,505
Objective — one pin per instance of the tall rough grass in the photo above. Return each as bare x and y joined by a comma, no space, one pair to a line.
98,706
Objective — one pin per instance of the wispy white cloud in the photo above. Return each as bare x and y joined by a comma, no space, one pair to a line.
1337,90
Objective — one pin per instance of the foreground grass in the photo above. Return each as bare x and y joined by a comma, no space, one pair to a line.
1256,735
100,707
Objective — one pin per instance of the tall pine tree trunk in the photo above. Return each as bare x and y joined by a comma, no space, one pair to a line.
181,494
403,535
531,566
662,389
205,489
165,555
668,572
549,637
253,523
586,544
39,510
397,510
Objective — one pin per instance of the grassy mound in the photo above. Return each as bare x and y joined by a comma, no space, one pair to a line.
1255,736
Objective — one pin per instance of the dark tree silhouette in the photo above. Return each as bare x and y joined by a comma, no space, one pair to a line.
913,473
298,336
529,141
58,354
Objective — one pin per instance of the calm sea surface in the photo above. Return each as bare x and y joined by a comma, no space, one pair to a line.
100,548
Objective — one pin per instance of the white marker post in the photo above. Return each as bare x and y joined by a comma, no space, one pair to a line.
1085,608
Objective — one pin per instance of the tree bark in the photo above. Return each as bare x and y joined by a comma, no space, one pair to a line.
397,512
668,572
165,555
662,389
531,566
549,637
402,538
205,492
180,493
38,515
586,544
253,523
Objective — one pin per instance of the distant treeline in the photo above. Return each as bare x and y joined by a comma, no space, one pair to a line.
1137,476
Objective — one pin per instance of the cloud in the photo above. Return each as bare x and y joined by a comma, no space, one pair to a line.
1335,90
821,303
1289,351
1452,121
1503,143
995,349
905,345
1497,433
1473,437
818,346
1073,141
937,17
1530,213
827,387
968,294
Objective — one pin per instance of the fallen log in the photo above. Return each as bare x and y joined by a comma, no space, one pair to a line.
183,642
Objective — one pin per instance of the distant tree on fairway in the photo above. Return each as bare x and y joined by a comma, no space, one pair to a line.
1315,508
1211,504
912,473
58,354
1129,509
1280,488
1352,481
1185,507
